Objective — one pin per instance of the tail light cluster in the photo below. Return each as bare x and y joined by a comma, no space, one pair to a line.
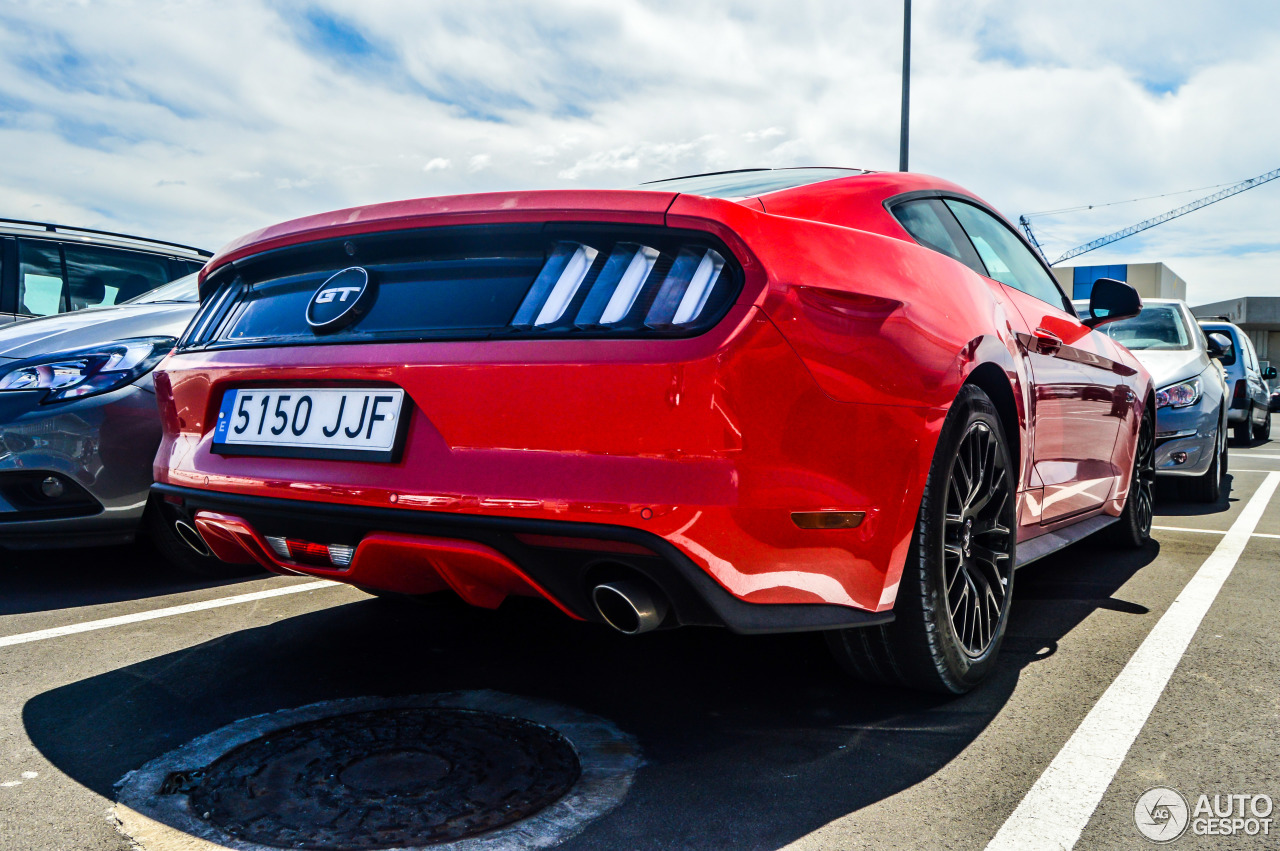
628,287
1241,393
480,282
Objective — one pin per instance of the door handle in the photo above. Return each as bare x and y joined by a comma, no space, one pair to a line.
1047,342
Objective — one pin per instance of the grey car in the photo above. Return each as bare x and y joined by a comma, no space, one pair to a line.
1191,396
79,426
1250,409
48,269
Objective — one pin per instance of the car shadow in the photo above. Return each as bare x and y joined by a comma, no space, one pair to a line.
48,580
749,741
1171,503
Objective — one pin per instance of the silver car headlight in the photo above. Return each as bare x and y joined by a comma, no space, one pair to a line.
86,372
1180,395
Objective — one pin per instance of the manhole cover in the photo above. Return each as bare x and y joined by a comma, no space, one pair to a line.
460,770
386,779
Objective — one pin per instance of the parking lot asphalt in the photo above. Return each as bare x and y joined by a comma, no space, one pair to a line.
748,742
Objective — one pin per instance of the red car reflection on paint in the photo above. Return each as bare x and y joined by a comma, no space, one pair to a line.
772,400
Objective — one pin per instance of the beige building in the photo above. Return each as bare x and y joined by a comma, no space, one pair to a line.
1258,316
1151,280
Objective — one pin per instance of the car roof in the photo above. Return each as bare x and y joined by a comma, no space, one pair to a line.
93,236
750,182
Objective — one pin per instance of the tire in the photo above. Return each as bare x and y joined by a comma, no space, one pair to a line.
1243,430
1208,486
1263,432
957,584
1133,529
158,523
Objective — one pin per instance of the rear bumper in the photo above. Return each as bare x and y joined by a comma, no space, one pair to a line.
486,559
707,445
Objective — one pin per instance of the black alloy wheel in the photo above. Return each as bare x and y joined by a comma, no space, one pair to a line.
1133,529
977,550
1263,432
957,582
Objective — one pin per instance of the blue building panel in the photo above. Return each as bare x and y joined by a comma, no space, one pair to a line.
1083,277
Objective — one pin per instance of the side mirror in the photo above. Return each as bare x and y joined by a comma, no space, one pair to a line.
1111,300
1269,373
1219,345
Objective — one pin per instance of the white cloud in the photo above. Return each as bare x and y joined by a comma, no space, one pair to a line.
200,121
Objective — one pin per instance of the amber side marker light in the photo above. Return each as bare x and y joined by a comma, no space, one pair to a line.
828,519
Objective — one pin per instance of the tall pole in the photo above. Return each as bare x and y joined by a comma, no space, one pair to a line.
906,84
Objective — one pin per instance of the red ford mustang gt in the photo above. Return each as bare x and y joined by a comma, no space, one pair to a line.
772,400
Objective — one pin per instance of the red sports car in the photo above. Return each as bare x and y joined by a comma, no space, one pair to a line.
771,400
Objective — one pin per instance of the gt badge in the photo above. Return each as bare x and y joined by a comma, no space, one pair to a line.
341,300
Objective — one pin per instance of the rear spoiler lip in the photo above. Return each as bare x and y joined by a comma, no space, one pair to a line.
627,206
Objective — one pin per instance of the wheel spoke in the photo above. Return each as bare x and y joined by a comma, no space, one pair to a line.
978,539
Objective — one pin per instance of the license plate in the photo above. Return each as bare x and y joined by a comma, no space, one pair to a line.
291,422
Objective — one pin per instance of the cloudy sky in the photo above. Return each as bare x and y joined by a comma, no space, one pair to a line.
199,121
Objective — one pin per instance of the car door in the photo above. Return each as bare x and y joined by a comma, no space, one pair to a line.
1255,387
1080,396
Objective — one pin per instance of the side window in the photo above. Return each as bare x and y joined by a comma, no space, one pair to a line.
41,289
1229,360
1006,258
100,277
932,225
1250,356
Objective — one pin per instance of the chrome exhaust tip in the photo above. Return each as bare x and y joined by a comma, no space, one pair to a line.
191,537
629,606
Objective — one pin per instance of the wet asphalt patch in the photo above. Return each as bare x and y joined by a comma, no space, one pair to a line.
469,770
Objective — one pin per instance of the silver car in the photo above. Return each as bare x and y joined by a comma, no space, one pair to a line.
1191,397
79,426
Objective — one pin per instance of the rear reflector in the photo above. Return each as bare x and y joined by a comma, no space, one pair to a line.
306,552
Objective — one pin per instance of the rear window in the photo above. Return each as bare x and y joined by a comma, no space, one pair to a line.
744,184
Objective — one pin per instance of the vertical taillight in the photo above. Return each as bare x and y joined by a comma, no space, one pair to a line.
556,284
688,293
615,290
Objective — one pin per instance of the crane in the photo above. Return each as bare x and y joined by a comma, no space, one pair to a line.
1234,189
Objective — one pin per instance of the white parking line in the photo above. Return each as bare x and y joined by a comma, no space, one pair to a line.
152,614
1059,805
1239,454
1210,531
